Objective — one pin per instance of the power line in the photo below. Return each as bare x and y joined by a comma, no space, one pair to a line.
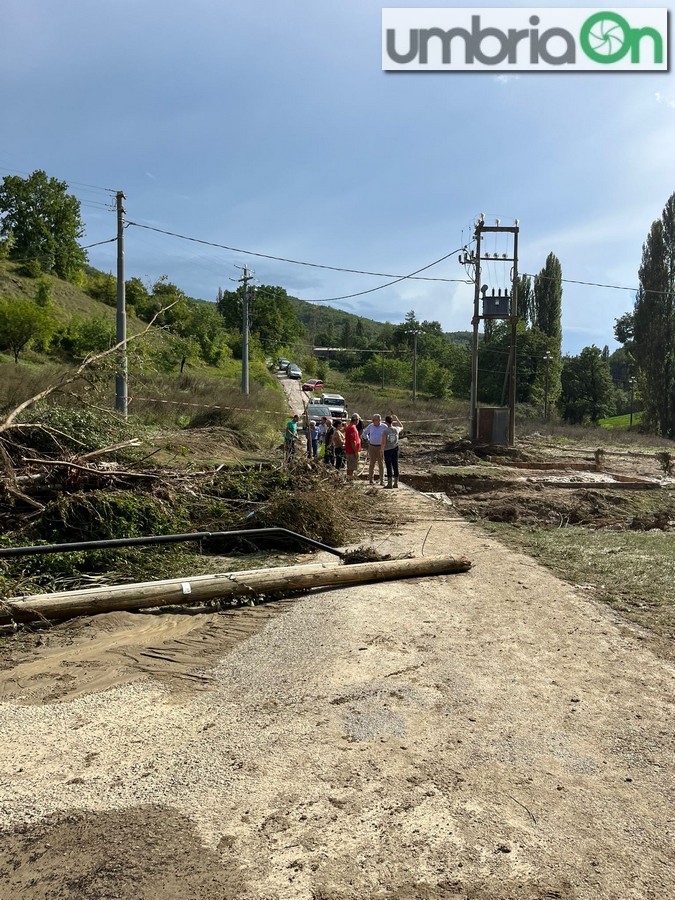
297,262
98,243
615,287
389,283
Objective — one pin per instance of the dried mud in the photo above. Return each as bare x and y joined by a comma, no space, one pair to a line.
495,735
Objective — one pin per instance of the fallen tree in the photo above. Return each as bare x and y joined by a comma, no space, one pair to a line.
222,586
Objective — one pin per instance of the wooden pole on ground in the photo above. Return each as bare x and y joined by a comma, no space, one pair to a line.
228,585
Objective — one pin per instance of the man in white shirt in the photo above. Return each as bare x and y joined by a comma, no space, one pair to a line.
374,434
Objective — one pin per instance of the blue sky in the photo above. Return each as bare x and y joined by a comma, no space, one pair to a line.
269,125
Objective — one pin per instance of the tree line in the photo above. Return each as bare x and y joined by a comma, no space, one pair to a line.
41,226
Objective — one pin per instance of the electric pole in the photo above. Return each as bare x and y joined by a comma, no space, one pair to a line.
121,386
631,382
414,332
244,280
496,305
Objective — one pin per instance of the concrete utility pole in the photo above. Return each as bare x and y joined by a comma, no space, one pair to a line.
121,387
632,382
244,280
414,332
496,306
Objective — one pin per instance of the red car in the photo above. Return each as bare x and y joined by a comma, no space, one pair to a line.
314,384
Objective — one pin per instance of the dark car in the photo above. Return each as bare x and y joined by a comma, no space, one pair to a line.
314,384
315,412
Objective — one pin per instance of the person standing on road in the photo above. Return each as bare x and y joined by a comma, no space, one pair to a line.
291,437
329,452
390,443
339,443
312,440
322,429
374,434
352,447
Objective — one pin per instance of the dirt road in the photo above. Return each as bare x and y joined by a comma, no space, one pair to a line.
488,735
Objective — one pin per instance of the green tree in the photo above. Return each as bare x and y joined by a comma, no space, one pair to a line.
654,325
102,286
44,222
548,299
272,318
587,391
526,308
84,336
43,295
22,321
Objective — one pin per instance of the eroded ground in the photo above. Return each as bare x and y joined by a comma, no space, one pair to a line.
497,734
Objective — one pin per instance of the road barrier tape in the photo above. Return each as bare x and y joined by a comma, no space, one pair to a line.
273,412
270,412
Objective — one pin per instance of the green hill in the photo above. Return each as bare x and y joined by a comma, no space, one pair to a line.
68,299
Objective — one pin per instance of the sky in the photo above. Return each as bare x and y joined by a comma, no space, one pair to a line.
269,126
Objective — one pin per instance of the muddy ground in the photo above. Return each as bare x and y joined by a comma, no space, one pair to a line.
495,734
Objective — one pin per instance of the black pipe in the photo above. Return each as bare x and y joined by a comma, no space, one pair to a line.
163,539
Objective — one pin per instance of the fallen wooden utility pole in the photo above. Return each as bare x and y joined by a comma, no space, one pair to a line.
227,585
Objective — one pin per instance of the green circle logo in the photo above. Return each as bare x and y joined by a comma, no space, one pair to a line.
606,37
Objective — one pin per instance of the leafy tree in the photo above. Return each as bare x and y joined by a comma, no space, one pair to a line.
548,299
587,390
102,286
272,319
526,308
43,295
137,298
22,321
654,324
84,336
624,331
44,222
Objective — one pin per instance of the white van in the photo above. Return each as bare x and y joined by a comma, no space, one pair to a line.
336,404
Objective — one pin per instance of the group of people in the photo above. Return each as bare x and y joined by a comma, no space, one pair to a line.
342,444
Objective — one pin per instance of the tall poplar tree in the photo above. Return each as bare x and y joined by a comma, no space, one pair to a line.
654,324
546,317
547,306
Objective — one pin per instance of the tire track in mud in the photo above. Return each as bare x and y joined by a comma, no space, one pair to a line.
175,648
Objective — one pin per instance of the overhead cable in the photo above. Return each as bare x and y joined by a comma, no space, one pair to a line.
296,262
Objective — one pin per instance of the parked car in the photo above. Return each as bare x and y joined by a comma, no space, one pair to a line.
283,362
294,371
316,411
314,384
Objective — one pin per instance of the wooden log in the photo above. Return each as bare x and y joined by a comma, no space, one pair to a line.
201,588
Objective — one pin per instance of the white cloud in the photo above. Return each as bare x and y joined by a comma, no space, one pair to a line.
662,98
506,79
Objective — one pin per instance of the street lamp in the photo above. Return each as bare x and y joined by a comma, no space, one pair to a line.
547,359
632,382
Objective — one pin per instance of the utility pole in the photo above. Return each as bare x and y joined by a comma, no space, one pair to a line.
495,306
414,332
244,280
547,360
382,369
631,382
473,398
121,385
514,340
